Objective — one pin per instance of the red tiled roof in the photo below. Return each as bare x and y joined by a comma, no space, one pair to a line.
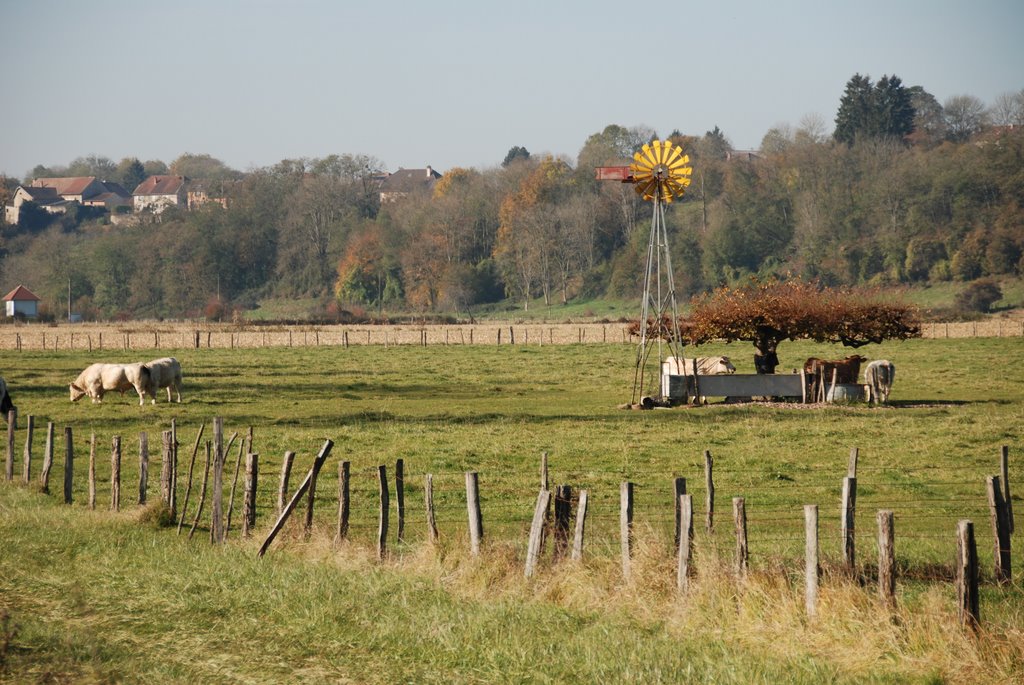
73,185
20,293
160,185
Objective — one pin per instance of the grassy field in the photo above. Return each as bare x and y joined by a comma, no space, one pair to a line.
97,596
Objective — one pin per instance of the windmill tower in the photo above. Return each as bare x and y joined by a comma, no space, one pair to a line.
660,173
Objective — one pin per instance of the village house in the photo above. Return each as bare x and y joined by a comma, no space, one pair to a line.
21,302
406,181
55,195
157,193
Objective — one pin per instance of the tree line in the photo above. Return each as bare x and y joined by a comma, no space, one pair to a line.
905,190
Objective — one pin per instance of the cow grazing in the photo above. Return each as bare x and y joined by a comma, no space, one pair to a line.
6,405
164,373
878,376
706,366
98,379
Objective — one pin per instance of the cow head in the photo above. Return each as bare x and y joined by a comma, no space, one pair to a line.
76,393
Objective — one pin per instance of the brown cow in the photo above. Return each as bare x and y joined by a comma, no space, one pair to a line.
819,373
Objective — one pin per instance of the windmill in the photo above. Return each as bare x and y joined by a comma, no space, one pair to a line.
660,173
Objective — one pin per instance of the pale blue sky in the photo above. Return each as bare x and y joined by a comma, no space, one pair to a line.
452,83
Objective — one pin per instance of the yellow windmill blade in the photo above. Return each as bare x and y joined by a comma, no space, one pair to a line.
660,171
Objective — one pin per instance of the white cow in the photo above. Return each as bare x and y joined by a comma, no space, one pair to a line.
98,379
878,376
706,366
164,373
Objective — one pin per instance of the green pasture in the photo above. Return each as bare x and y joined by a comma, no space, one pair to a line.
100,596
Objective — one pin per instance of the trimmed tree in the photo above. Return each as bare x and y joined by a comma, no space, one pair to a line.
768,312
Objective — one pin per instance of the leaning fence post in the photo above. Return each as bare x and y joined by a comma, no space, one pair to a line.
626,526
543,470
1004,470
282,491
739,515
428,495
1000,530
234,482
709,484
44,475
252,464
967,575
886,557
188,483
400,497
536,528
685,551
679,489
115,474
476,521
29,431
202,492
849,506
382,527
581,523
92,471
344,468
69,463
318,462
811,565
217,533
311,497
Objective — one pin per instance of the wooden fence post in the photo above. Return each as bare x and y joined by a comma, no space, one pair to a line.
11,421
428,494
252,468
812,568
143,467
739,515
851,467
44,475
115,474
709,501
217,533
581,523
202,492
282,490
543,470
886,557
476,521
967,575
318,463
563,515
344,469
685,550
1000,530
626,526
679,489
30,425
1004,470
69,463
385,505
92,471
400,497
536,530
848,509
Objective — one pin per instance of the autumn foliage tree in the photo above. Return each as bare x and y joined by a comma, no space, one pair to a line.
770,311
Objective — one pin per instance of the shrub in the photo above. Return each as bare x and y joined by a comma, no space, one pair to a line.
979,296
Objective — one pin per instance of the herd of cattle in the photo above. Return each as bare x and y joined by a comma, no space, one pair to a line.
878,375
146,378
